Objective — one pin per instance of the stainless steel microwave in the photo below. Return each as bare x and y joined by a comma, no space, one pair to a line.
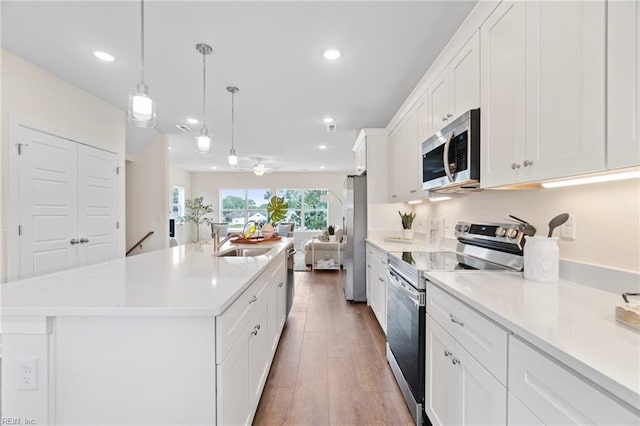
451,157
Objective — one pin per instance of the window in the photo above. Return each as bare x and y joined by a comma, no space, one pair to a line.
177,202
307,208
242,205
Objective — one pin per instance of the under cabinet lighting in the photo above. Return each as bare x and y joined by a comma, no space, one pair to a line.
414,202
609,177
444,198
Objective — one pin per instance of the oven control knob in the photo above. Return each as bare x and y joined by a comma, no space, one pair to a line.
465,228
501,232
512,233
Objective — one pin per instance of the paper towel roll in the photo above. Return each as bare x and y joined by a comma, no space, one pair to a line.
542,259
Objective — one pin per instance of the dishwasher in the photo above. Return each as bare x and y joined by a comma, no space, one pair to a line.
291,290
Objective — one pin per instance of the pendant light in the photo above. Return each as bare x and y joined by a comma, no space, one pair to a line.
142,108
204,141
233,158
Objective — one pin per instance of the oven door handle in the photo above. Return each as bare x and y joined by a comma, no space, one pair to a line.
416,296
445,158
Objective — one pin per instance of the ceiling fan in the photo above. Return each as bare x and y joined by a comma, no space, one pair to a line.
258,168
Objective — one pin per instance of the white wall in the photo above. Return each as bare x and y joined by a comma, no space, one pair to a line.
39,97
209,185
179,177
148,196
607,218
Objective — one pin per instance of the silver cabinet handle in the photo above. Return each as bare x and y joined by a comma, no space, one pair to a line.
455,361
254,332
446,353
383,262
280,285
527,163
253,299
84,240
368,266
444,118
381,279
258,327
393,196
413,191
456,321
74,242
449,115
515,166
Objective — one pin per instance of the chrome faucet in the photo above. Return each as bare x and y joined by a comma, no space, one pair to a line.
216,239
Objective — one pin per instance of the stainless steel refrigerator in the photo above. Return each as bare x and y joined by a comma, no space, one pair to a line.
355,231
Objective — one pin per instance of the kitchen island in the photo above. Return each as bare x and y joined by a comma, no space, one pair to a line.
175,336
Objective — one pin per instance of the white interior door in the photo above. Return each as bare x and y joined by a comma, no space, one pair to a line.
47,203
97,205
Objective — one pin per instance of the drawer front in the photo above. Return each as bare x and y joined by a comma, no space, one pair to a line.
375,257
556,395
480,336
231,324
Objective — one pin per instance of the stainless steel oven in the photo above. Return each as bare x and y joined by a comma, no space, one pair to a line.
405,333
451,157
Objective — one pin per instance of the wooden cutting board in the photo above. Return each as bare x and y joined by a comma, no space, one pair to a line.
254,240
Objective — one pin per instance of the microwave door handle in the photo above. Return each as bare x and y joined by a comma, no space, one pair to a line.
445,157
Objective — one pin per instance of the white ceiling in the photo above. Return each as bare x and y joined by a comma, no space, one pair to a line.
271,50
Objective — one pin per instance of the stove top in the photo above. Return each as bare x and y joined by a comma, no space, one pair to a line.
443,261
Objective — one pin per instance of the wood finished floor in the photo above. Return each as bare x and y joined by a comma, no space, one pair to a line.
330,367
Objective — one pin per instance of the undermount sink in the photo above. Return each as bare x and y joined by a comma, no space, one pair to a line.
244,252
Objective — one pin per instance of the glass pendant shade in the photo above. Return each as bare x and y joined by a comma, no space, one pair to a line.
258,170
233,158
204,142
142,108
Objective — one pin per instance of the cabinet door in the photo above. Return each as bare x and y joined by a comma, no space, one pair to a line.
464,77
273,327
482,399
439,102
412,157
371,277
232,397
502,112
422,112
565,94
441,389
623,84
259,354
556,395
381,296
518,414
281,285
396,174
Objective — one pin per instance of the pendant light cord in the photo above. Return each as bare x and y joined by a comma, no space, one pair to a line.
233,97
204,90
142,40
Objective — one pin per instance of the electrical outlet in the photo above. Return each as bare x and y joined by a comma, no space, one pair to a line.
27,373
568,229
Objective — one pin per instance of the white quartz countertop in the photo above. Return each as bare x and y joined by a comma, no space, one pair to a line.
182,281
415,245
573,323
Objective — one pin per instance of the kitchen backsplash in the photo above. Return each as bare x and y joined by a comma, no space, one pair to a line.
607,218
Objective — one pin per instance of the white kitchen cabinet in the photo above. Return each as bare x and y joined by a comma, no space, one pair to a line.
623,84
372,152
422,113
502,111
459,390
360,153
405,173
543,91
277,306
233,406
395,157
377,284
518,414
457,88
556,395
259,354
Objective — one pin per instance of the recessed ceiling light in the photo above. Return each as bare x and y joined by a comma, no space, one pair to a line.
213,167
104,56
169,148
327,120
322,167
322,147
332,54
192,121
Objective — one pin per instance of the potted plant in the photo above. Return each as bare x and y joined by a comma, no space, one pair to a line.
332,233
197,212
276,210
407,223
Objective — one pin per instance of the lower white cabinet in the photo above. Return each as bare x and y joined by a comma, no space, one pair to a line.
519,415
459,390
377,284
556,395
259,316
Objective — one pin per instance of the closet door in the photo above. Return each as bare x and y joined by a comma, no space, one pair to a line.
97,205
48,215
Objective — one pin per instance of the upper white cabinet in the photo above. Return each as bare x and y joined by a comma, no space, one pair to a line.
360,151
457,88
623,84
372,152
543,91
395,158
405,179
